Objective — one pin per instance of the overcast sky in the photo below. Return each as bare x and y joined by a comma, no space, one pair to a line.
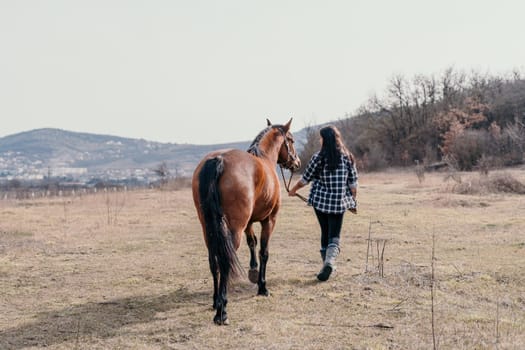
208,72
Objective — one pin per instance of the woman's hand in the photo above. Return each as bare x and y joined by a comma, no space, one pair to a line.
293,190
354,209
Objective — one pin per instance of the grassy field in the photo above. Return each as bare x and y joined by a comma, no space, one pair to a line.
129,270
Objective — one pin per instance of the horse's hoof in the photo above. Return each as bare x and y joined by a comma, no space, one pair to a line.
221,320
253,275
263,292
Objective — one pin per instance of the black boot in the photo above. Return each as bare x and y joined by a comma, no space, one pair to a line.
329,263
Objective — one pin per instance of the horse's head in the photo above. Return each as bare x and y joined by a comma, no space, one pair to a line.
288,157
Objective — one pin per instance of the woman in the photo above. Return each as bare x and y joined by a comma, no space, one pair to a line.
333,192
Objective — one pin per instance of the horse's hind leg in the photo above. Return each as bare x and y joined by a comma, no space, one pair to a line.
251,239
214,268
221,317
220,280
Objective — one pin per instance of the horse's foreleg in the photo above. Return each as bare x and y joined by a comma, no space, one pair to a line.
267,227
251,239
263,258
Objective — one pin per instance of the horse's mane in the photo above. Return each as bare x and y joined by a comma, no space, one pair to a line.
254,147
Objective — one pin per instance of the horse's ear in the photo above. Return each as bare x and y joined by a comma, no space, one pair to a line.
269,122
286,127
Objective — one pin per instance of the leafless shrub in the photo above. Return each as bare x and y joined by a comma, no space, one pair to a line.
380,249
162,171
499,183
485,164
452,172
505,182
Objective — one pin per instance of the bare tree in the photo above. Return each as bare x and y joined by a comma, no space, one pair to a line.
426,117
310,146
163,172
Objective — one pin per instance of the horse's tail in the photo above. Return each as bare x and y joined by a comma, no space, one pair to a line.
221,249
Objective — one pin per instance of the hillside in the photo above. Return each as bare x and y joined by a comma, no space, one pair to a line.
37,153
470,120
49,149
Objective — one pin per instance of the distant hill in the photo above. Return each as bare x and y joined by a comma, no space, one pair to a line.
60,148
56,148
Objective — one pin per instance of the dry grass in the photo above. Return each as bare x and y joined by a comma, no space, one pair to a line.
502,182
131,273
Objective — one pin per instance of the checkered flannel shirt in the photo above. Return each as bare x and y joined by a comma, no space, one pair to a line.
330,191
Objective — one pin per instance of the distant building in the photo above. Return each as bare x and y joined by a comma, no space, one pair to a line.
65,171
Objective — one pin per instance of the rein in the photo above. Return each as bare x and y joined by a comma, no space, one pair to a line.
287,184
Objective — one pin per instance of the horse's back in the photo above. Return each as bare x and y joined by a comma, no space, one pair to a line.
237,164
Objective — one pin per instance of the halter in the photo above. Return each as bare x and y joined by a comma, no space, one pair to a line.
255,150
291,158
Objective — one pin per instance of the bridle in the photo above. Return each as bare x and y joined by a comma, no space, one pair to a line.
290,159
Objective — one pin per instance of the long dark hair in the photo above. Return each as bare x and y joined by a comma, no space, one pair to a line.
333,147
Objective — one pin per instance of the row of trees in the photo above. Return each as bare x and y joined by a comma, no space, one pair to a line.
465,119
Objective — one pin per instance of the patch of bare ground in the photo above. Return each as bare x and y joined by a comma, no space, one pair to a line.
129,270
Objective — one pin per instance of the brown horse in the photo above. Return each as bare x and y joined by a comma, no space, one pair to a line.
232,189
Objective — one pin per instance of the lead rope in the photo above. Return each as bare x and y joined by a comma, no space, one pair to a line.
287,184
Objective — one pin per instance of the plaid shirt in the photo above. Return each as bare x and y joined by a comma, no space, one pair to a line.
330,191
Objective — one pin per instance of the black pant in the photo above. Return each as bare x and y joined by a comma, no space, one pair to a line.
330,227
